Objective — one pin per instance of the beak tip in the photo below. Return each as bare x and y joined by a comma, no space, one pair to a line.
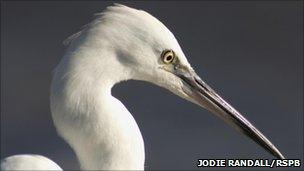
280,156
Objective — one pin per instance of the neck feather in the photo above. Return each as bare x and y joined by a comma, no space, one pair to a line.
99,128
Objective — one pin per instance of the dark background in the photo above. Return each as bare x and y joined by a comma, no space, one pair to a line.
250,52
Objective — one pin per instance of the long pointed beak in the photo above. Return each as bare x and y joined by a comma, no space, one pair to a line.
201,94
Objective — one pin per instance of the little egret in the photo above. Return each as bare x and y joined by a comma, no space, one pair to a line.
122,43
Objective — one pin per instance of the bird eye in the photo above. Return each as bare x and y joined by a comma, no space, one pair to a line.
168,56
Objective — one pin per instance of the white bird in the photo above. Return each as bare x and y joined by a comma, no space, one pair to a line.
121,44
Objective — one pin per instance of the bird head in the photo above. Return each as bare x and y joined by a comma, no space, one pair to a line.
146,49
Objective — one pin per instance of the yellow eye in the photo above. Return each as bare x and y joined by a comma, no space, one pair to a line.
168,56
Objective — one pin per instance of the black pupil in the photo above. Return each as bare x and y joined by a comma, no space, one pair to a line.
169,58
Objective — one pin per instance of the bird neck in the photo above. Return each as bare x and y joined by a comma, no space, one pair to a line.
98,127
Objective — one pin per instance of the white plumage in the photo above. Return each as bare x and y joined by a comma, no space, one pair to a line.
28,162
121,44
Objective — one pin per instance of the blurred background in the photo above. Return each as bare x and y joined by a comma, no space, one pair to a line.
250,52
